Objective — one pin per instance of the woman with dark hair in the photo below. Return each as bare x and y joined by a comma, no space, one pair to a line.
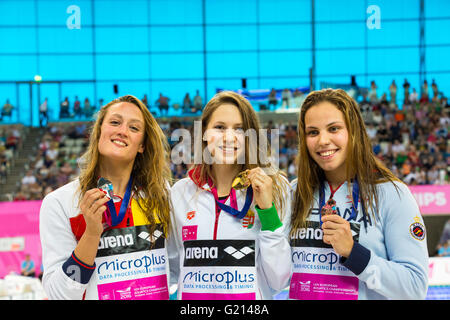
356,231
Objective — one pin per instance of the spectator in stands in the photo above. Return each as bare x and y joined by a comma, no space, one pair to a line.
21,196
371,131
144,100
66,169
414,96
64,109
4,163
45,143
43,113
187,103
80,130
412,155
27,267
435,90
13,139
163,104
273,98
298,98
29,178
433,175
7,110
47,190
406,87
291,134
444,103
52,152
77,107
35,191
198,102
87,108
286,97
424,96
443,247
373,96
393,91
397,148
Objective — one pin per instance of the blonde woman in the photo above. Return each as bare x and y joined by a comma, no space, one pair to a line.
103,234
230,244
357,232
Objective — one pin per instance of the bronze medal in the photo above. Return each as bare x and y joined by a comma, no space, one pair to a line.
329,208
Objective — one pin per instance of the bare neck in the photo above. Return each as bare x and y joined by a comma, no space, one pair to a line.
224,175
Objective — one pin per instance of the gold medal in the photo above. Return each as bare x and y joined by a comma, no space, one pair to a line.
241,181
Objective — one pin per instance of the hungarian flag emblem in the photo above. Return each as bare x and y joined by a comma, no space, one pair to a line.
249,220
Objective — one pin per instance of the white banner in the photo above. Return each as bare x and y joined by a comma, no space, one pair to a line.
12,244
439,271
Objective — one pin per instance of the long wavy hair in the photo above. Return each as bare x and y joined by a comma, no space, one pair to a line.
257,148
151,172
360,159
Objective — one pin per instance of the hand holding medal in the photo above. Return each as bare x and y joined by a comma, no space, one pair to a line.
92,207
112,218
107,187
261,184
336,230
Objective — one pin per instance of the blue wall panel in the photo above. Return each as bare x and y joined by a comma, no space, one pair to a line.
178,46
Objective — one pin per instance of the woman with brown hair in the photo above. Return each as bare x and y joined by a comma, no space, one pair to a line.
114,217
356,230
222,249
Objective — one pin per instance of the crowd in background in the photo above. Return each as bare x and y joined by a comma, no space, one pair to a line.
410,138
10,140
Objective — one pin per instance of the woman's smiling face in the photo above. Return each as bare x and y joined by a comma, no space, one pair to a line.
122,132
327,137
225,135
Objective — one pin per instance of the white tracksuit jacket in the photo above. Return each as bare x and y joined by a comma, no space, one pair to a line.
389,259
218,256
124,269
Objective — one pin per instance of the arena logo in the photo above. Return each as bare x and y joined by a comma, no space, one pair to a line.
201,253
308,233
116,241
147,237
257,144
238,254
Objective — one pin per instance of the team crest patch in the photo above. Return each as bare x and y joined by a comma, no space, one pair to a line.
190,215
417,229
249,220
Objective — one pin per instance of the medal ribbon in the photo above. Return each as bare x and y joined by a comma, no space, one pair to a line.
117,218
234,211
355,197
